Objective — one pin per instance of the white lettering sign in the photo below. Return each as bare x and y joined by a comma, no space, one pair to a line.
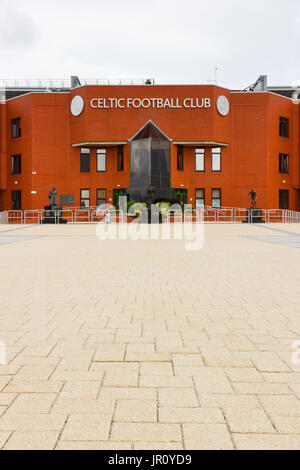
146,103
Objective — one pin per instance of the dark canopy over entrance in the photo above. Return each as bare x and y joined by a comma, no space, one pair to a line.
150,163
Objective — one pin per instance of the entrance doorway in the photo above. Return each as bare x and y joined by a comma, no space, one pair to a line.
117,193
284,202
181,195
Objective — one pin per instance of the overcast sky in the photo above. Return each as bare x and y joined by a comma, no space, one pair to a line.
172,41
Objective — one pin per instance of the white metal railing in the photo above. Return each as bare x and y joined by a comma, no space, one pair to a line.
66,83
208,214
4,217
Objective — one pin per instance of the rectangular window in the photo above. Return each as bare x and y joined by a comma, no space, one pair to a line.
16,200
16,164
216,159
101,197
284,127
284,199
120,158
200,197
84,160
283,163
101,159
200,159
216,197
180,158
16,128
84,198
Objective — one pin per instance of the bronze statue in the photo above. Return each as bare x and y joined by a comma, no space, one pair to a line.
53,197
150,195
253,195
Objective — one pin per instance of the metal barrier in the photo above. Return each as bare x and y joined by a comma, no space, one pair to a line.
15,217
208,214
4,217
32,216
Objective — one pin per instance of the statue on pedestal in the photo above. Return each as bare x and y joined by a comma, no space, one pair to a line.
53,197
253,195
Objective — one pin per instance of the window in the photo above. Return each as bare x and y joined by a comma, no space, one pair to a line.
101,159
284,197
16,164
120,158
284,127
216,197
200,197
216,159
179,158
16,128
84,160
200,159
283,163
84,198
16,202
101,197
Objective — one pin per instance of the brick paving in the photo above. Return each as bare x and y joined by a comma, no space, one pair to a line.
143,345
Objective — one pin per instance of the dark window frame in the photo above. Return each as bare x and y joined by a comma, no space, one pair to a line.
16,164
180,158
284,163
16,132
85,160
101,151
85,198
212,158
284,127
216,198
120,158
199,198
200,153
16,202
101,199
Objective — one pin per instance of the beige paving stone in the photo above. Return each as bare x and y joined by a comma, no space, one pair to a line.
34,386
4,380
85,390
262,388
158,446
248,421
4,435
7,398
93,445
190,360
143,432
32,403
32,422
115,379
67,405
32,440
69,375
287,424
136,411
190,415
89,427
212,379
185,397
148,357
210,400
34,371
239,374
125,393
206,437
156,368
281,405
165,381
266,442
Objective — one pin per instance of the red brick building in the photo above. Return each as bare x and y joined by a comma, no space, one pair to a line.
201,144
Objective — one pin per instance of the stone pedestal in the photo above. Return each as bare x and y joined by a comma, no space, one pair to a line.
254,216
52,216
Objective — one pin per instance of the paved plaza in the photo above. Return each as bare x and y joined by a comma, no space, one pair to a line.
123,344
